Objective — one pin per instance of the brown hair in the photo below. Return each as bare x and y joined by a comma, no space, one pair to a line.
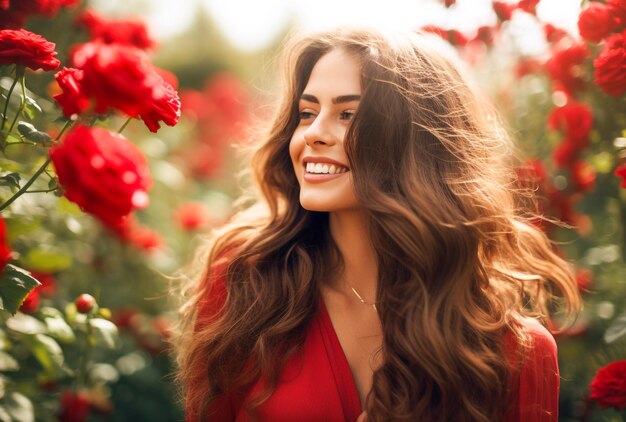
459,261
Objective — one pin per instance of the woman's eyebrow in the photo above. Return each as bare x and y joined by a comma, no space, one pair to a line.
336,100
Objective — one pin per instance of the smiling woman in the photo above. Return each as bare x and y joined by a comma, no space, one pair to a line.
393,276
317,151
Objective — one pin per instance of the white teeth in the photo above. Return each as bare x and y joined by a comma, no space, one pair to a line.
320,168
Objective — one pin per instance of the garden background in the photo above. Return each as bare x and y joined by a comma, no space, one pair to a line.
87,211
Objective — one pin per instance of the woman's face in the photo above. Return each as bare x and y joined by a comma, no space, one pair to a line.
326,109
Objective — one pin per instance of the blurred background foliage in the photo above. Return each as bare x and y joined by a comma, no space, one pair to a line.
194,165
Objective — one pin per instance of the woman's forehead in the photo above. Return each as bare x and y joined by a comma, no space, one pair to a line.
335,73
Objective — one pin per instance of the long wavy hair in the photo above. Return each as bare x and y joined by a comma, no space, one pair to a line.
459,260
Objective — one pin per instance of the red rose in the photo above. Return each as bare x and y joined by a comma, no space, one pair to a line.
24,48
564,65
608,386
223,113
165,109
503,10
595,22
74,406
621,172
618,10
449,3
128,32
575,120
192,216
583,175
117,76
72,99
610,65
102,172
528,6
130,231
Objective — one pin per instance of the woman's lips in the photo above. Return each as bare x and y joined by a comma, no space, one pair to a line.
319,178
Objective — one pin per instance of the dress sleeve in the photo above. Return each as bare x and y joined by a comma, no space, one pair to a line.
538,393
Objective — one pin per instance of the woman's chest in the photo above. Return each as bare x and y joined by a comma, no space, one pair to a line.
321,381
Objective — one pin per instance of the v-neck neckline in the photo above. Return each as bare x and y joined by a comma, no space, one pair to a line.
344,378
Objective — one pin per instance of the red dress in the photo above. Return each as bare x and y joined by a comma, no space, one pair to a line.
316,384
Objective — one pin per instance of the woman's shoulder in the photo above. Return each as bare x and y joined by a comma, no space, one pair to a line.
540,338
535,345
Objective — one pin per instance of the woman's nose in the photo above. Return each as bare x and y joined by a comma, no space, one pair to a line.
320,133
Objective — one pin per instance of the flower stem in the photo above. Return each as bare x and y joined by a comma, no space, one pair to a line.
27,185
6,105
41,191
22,103
124,125
38,173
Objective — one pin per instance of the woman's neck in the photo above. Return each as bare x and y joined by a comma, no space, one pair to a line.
349,231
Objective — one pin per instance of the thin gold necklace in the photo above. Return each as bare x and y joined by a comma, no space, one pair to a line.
363,301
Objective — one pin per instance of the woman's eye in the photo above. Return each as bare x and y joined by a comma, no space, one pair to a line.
346,115
305,115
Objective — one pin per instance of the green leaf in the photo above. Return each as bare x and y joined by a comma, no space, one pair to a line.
53,183
47,260
104,332
4,415
15,285
48,352
19,407
616,330
11,180
8,362
12,139
22,226
57,326
31,133
31,108
5,343
26,324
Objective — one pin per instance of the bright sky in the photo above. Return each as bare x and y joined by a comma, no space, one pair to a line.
251,24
